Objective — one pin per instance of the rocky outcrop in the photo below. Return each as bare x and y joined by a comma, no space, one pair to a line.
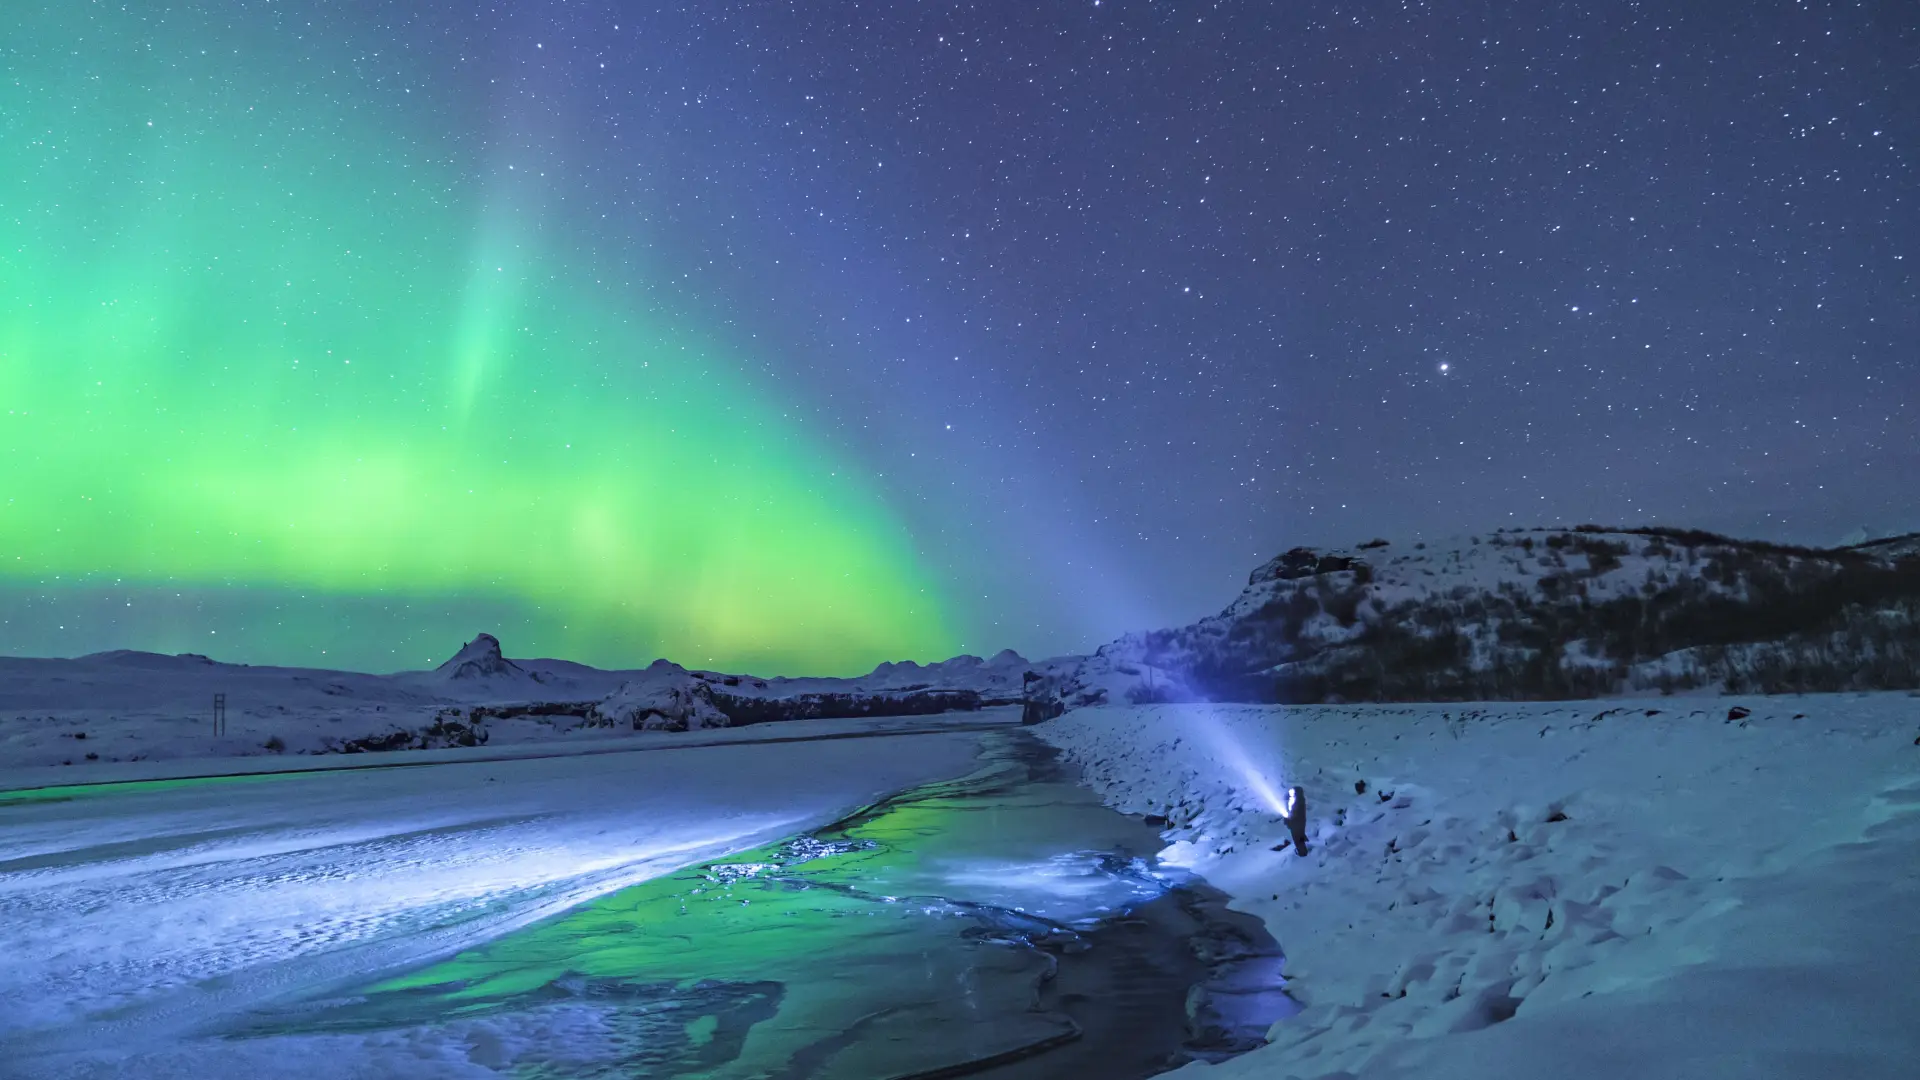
481,659
666,697
742,709
446,730
1301,563
576,709
1040,700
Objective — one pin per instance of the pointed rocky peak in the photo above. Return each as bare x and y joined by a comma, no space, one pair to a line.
480,659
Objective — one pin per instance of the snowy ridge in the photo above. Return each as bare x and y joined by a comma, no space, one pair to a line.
1536,614
1891,547
1508,615
134,706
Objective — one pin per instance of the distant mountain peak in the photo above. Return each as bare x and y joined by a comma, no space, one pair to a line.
138,658
481,659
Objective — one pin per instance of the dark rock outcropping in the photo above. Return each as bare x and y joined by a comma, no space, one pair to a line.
446,730
1301,563
742,710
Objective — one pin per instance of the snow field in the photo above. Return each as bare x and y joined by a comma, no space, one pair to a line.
1658,888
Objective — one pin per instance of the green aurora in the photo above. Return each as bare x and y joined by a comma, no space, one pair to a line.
258,337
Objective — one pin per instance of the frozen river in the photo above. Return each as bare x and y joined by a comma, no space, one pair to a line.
710,912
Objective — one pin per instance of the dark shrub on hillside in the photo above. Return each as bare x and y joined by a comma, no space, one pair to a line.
1149,694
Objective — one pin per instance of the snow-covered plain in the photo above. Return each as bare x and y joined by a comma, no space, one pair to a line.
138,707
1650,889
137,918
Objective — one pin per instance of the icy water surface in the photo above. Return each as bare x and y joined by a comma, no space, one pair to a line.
1004,925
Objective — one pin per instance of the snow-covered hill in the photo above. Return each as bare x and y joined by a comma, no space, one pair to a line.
1542,613
1891,547
134,706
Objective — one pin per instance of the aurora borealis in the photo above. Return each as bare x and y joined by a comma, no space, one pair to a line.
799,337
266,347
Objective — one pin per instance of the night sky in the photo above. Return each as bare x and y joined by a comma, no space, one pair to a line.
799,337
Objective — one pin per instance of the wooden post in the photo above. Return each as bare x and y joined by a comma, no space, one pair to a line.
219,715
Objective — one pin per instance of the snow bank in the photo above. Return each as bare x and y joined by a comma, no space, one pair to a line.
1578,890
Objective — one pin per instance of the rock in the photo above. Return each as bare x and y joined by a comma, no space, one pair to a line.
480,659
444,732
1039,711
821,705
1301,562
391,740
664,699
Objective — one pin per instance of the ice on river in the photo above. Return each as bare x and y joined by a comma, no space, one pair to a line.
134,918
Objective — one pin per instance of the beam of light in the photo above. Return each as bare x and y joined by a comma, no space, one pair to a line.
259,338
1228,749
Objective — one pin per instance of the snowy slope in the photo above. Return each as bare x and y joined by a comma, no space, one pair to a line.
1663,889
1892,547
1544,613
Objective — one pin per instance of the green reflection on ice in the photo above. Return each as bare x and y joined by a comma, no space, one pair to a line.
836,955
65,792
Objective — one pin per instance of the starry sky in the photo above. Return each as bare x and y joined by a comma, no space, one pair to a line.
796,337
